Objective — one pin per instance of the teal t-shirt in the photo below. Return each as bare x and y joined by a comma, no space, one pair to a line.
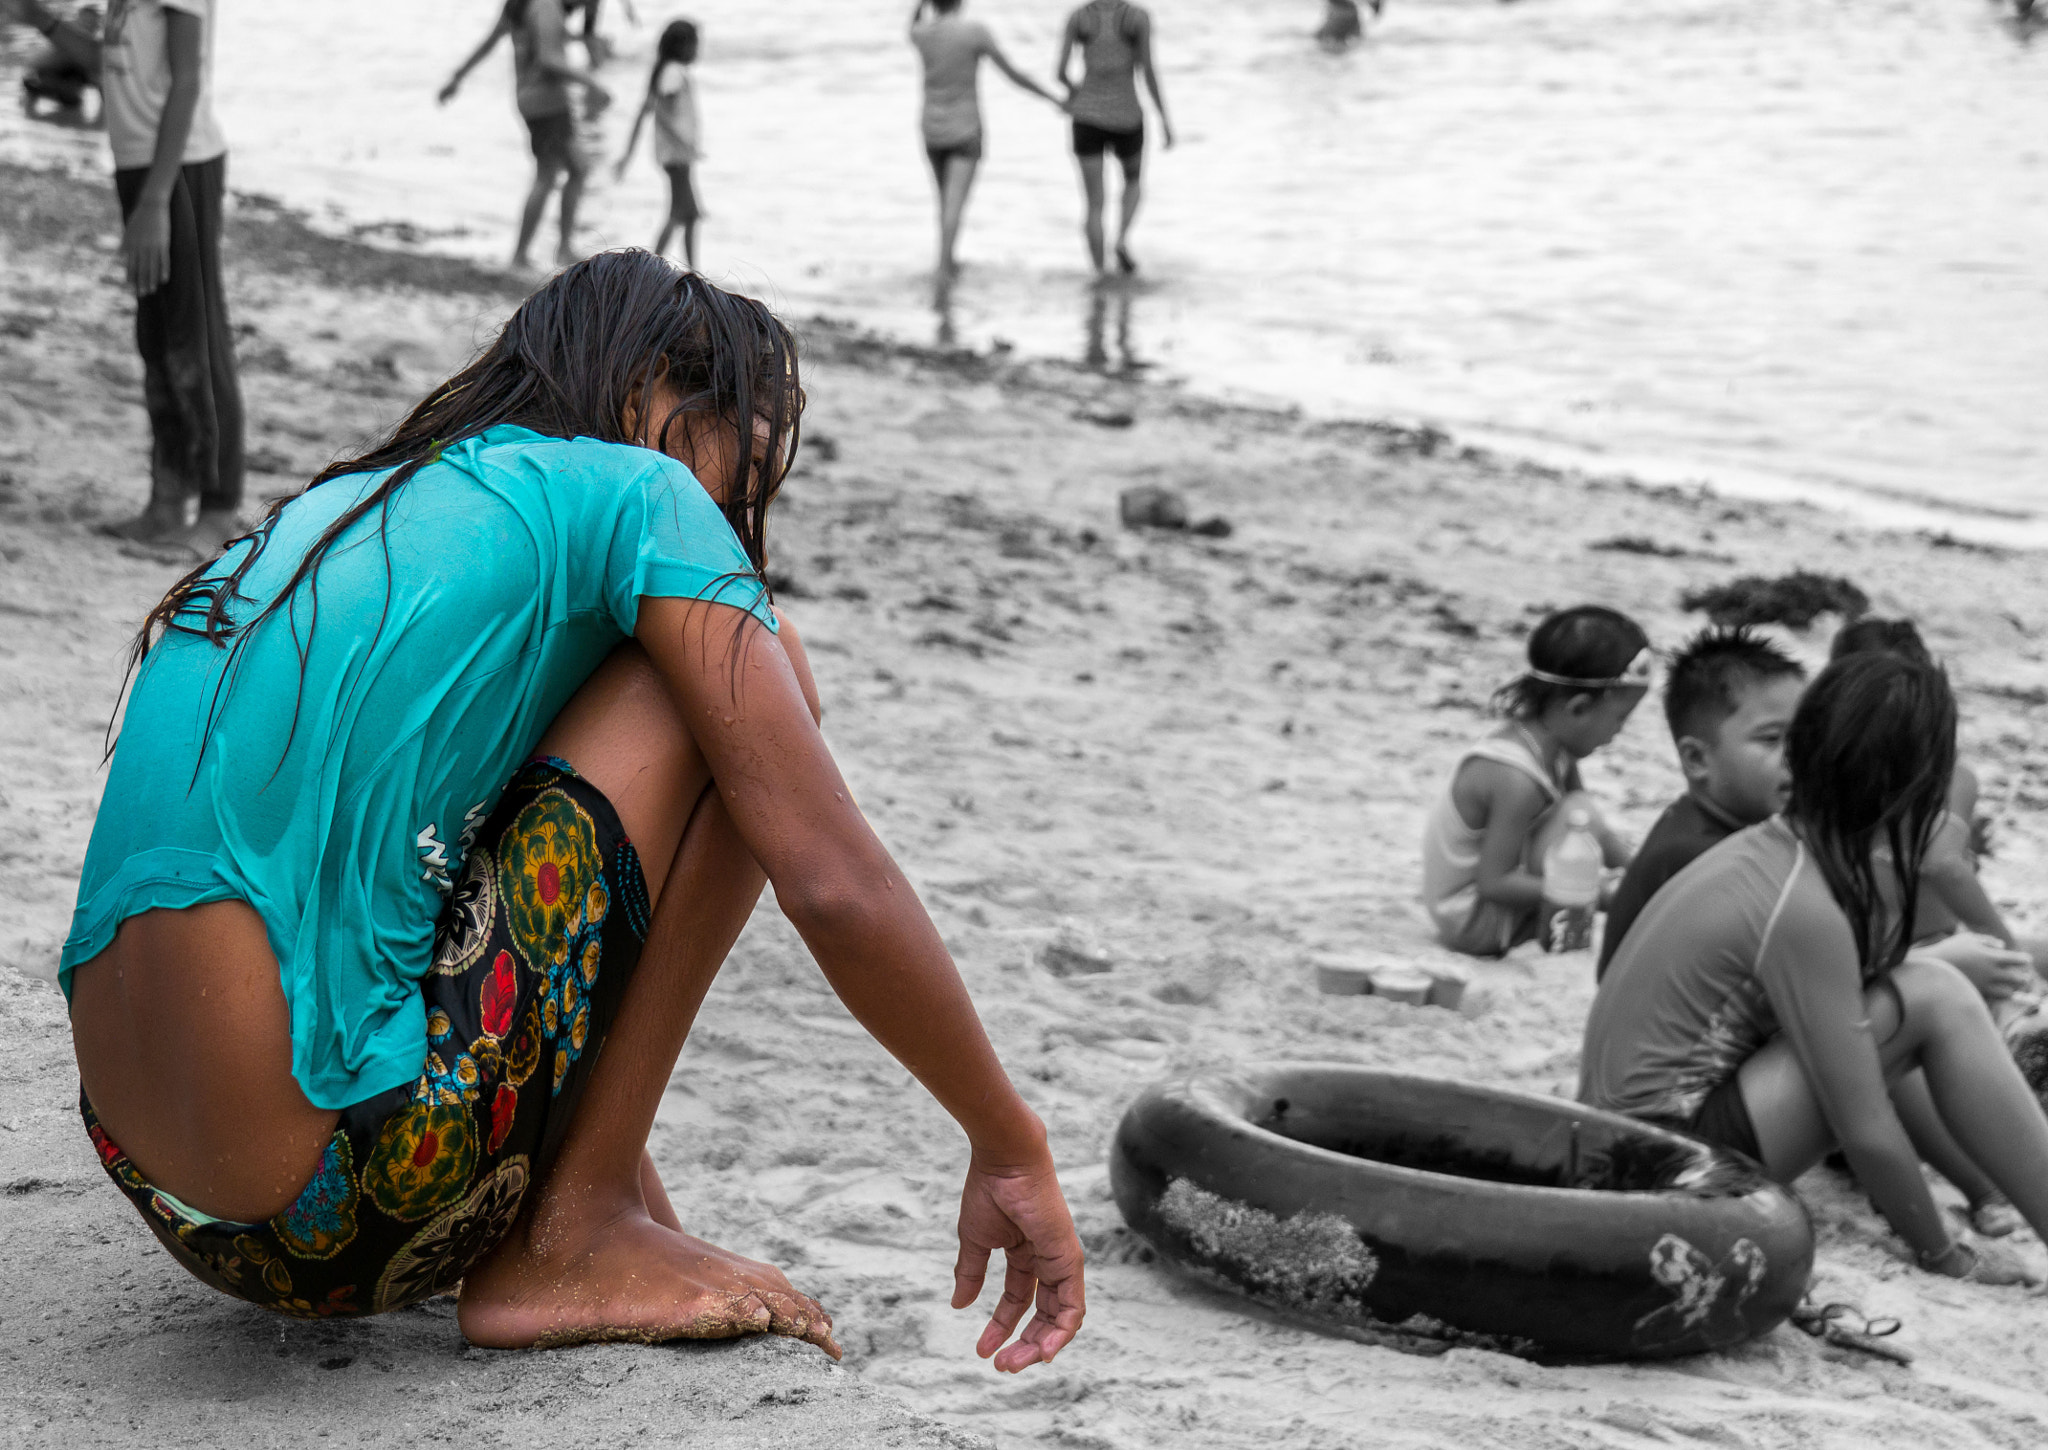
339,804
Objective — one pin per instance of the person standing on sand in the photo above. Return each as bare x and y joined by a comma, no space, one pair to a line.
154,66
672,101
540,61
439,801
1115,40
952,48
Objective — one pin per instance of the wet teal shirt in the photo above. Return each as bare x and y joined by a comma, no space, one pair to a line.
340,806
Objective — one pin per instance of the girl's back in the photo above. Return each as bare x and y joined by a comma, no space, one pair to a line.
1109,33
1683,1003
328,773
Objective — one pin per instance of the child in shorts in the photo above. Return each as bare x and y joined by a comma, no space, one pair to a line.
672,101
1511,794
1729,701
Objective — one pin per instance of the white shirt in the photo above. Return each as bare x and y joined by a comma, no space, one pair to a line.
676,132
135,81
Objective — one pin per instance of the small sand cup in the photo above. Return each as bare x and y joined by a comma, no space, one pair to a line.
1447,984
1402,984
1343,979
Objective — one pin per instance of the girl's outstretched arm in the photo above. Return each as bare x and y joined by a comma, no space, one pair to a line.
476,58
633,136
1017,77
743,701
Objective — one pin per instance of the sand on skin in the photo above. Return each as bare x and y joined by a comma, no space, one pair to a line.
1213,754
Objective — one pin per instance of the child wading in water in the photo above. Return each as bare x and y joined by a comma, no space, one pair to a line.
1511,795
672,101
383,864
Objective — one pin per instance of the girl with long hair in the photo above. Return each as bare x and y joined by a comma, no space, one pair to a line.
470,761
672,101
1766,999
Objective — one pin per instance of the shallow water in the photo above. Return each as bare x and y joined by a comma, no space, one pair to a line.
1773,242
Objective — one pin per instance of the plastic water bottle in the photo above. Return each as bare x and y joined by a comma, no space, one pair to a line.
1571,886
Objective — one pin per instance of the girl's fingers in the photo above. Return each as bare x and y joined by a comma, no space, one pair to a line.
970,1272
1019,1284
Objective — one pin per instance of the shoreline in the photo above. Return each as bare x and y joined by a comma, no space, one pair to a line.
1211,754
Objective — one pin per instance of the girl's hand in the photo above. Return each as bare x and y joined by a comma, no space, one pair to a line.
1020,1210
1994,969
448,91
146,246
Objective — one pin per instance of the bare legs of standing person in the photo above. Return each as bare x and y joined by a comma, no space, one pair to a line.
954,185
569,173
1094,190
682,212
546,177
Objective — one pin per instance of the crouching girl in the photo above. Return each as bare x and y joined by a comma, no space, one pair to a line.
439,801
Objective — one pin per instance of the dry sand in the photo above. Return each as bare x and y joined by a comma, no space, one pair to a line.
1210,755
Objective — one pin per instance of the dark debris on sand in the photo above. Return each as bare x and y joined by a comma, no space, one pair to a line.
1794,600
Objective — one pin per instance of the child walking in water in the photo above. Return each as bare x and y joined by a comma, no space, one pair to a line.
672,101
1511,794
1115,41
952,48
438,802
540,64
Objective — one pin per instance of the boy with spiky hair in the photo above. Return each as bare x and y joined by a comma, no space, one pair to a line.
1729,701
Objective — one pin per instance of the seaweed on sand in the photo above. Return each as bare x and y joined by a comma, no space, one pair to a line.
1794,600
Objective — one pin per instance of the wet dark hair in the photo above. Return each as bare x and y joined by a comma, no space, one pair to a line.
597,337
678,43
1712,669
1587,642
1871,750
1891,636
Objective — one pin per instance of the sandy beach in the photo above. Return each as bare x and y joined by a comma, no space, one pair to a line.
1208,757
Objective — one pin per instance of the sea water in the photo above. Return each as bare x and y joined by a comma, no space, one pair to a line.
1785,245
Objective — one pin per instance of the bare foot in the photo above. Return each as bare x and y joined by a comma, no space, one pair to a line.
159,523
1125,263
656,1195
628,1278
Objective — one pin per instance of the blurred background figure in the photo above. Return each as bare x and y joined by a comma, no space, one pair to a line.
1115,41
540,62
952,48
1341,26
672,101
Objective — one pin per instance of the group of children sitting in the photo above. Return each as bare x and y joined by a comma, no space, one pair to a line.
1801,957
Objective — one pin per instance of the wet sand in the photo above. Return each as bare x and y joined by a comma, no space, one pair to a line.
1211,754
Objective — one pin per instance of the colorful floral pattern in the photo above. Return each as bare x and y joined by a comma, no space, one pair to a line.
322,1220
422,1161
471,912
547,864
438,1256
534,947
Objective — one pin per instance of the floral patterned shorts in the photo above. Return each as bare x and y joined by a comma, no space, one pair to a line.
531,957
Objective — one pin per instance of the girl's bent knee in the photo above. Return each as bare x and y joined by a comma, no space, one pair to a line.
1928,989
